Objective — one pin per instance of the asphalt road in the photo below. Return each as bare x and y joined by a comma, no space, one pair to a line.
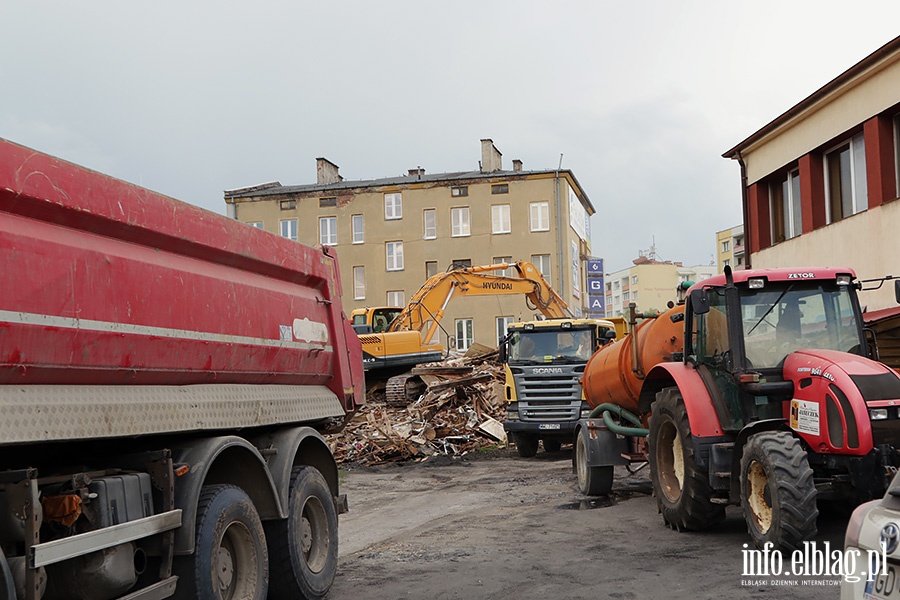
494,525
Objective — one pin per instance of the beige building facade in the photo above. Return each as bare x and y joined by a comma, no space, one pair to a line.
392,234
820,182
730,248
650,284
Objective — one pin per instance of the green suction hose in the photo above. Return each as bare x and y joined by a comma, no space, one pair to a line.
607,408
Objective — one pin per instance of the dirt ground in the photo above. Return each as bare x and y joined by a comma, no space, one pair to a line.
493,525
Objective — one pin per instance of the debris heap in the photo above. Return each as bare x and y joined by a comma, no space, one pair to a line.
461,410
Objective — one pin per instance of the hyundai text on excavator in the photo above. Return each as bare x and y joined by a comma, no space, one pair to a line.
411,337
762,390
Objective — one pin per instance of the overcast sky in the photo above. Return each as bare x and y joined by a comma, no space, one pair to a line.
190,98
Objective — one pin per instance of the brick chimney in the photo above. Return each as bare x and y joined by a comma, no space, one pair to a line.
327,172
491,159
418,171
517,165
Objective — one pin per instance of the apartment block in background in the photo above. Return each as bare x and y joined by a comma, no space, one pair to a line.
730,248
391,234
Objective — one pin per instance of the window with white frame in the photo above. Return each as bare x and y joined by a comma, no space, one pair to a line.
626,296
726,246
508,272
430,268
430,218
358,227
459,221
257,224
634,296
500,218
502,325
359,283
393,256
465,334
845,180
634,279
542,263
784,207
328,231
396,298
540,216
393,206
288,229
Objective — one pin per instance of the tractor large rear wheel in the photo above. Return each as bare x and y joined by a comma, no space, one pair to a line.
778,494
681,488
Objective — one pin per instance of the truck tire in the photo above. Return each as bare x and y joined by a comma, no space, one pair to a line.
552,445
304,547
230,558
681,488
526,444
778,494
7,584
592,481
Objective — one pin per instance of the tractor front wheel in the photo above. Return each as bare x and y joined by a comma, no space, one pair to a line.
681,488
778,494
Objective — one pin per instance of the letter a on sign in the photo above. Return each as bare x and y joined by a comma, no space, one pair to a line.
596,304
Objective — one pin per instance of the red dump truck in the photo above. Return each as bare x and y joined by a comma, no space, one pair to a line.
166,374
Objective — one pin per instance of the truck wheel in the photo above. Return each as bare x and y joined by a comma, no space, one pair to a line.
526,444
592,481
7,583
778,494
230,559
681,488
552,445
304,547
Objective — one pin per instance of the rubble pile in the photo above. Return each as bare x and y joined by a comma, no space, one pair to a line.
461,410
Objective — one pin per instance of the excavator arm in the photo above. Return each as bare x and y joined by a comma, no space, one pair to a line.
427,306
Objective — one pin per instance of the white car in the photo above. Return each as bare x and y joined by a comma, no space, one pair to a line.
872,549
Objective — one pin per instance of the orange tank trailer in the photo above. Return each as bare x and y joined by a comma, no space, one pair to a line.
609,375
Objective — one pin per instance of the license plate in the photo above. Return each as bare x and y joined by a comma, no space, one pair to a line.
548,426
885,586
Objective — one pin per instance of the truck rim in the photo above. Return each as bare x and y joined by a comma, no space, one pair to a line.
236,563
670,456
314,534
756,498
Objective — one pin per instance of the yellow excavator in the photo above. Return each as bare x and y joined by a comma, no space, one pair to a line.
410,336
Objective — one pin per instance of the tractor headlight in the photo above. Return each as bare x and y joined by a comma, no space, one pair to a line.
843,279
878,414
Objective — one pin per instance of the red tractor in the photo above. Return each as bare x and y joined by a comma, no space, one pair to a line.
773,401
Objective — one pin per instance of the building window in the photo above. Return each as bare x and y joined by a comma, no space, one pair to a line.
430,268
393,206
459,218
726,246
508,272
396,298
460,191
500,188
357,224
328,231
500,218
257,224
462,263
464,334
845,179
542,264
897,153
608,287
784,198
626,296
616,284
634,296
540,216
502,326
289,229
726,263
326,202
393,256
359,283
430,216
288,204
634,280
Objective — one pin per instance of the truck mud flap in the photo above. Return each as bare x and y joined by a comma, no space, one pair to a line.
603,446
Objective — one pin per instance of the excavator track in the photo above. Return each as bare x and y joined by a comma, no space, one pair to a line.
403,389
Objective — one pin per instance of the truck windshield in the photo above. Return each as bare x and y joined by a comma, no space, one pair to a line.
569,345
783,317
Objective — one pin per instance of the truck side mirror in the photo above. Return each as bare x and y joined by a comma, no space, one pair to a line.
501,347
700,302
